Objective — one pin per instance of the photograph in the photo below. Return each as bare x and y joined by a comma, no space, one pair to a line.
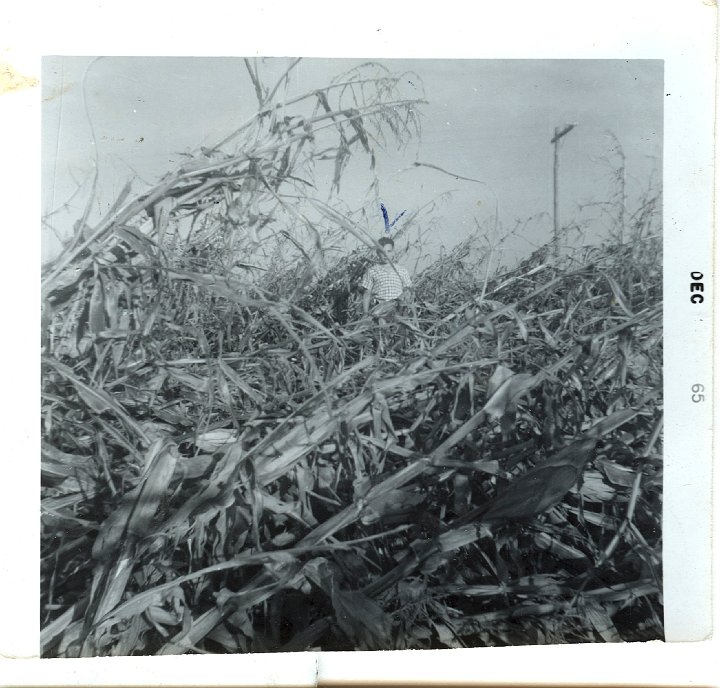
345,354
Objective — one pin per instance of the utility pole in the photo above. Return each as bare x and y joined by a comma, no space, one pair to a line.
559,133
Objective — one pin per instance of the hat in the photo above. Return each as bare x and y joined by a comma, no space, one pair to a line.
386,240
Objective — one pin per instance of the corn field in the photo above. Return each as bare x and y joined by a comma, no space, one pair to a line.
236,459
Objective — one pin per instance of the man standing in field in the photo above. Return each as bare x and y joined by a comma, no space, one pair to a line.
386,282
385,286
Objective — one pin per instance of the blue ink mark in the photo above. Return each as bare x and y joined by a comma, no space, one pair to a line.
386,218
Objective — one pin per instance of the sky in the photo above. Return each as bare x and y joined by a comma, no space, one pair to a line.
487,120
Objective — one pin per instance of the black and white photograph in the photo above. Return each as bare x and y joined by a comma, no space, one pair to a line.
350,354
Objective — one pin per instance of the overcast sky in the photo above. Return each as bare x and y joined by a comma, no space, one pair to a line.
490,120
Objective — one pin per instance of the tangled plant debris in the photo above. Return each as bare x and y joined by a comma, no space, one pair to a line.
232,463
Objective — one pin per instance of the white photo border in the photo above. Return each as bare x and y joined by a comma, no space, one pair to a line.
683,34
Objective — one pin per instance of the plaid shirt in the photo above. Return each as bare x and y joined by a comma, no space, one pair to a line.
386,282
